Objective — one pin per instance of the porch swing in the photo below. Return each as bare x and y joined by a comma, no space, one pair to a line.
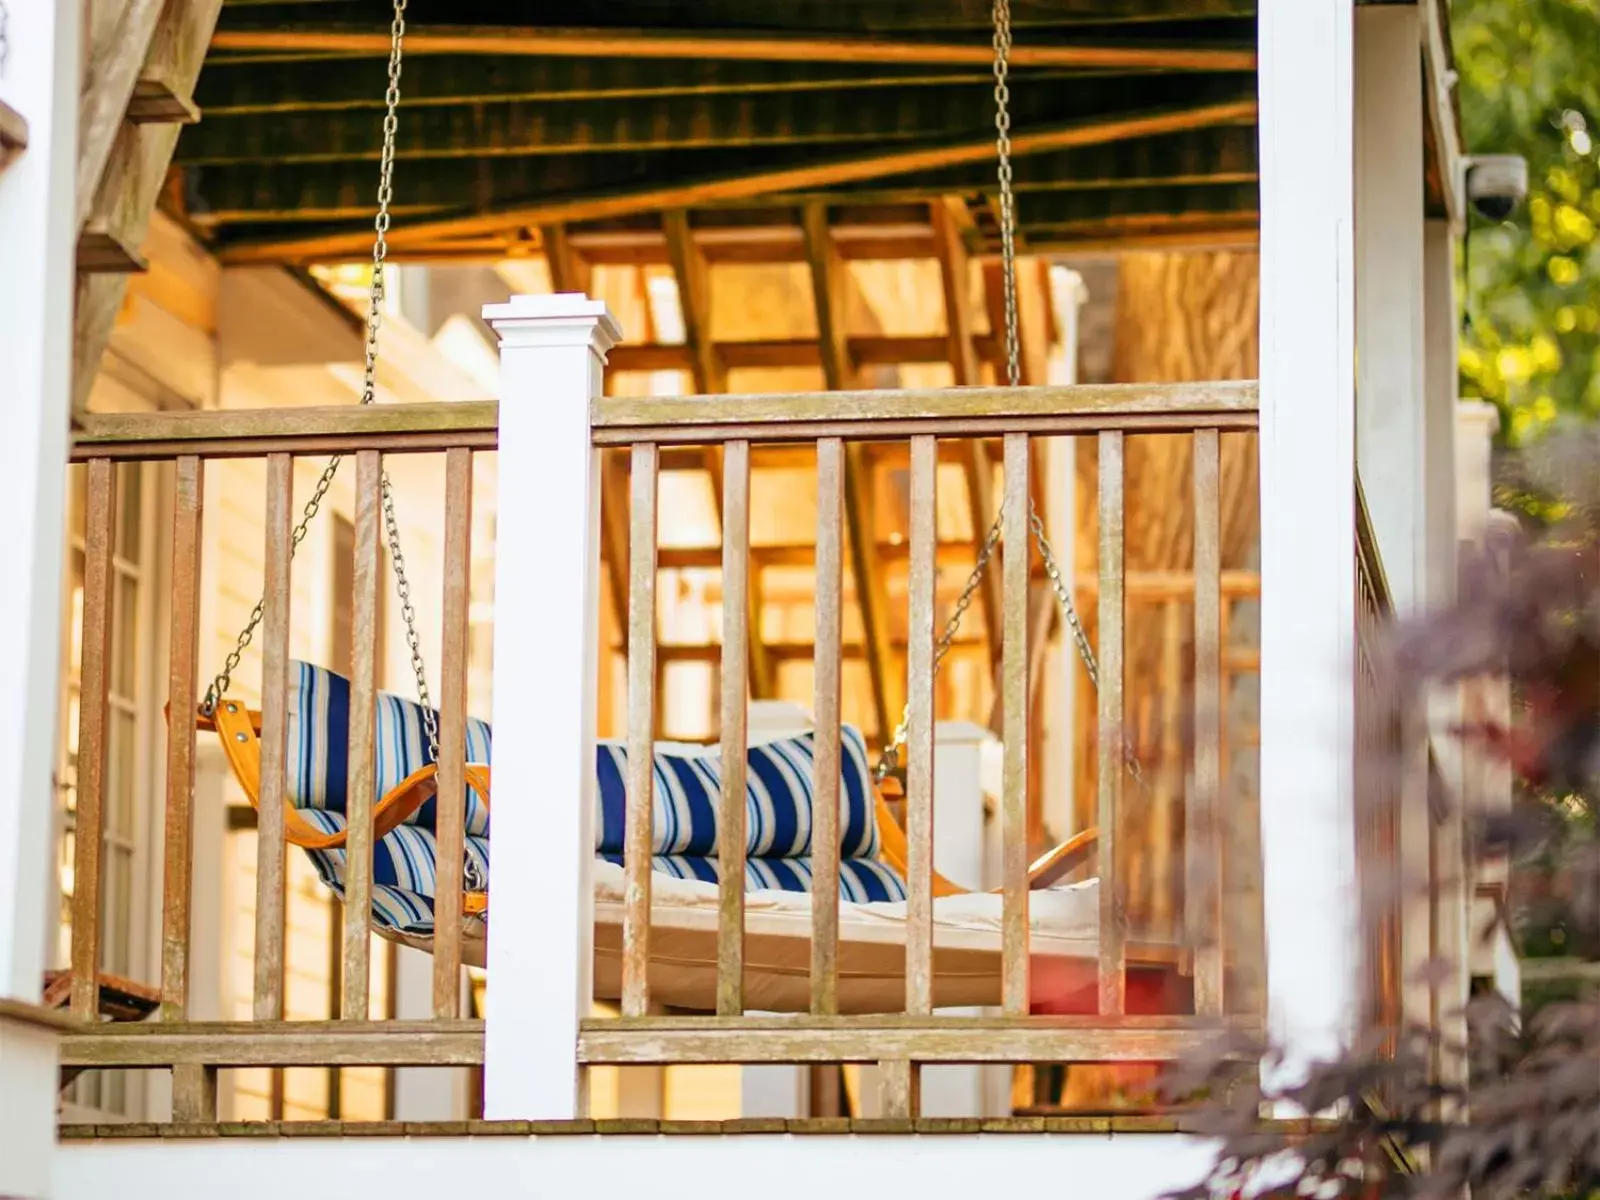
873,854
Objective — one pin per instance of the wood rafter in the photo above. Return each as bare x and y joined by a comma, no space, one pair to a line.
734,45
951,222
688,193
828,283
569,271
710,375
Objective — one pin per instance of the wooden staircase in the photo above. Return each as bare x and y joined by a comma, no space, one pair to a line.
144,57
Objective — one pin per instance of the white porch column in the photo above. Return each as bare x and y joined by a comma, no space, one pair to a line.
1392,452
1441,375
37,235
547,564
1307,525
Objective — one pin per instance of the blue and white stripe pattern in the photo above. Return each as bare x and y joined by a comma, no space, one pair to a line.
779,786
688,784
319,746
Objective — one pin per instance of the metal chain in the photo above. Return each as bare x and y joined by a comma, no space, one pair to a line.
380,252
1008,260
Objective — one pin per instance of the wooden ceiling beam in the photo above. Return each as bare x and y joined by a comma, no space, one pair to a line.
690,193
275,87
328,192
727,45
679,123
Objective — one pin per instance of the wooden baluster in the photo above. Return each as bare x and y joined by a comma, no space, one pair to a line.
641,728
450,807
901,1079
270,841
194,1092
826,672
736,635
362,785
93,744
1203,889
1112,756
1014,707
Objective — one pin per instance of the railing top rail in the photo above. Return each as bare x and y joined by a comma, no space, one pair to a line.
251,433
886,413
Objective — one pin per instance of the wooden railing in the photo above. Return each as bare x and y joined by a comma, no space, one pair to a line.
898,1043
195,1050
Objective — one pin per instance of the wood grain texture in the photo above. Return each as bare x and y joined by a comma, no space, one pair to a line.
362,783
1015,711
117,52
827,677
252,433
228,1044
1112,769
183,650
1203,883
270,831
919,737
451,805
1102,401
93,741
899,1089
904,1039
731,832
759,181
641,731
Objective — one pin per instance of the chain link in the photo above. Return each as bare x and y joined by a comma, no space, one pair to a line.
890,757
369,388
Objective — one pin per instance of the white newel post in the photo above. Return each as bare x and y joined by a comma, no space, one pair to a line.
37,234
1307,525
547,560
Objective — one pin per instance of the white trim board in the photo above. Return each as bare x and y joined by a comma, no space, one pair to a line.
671,1167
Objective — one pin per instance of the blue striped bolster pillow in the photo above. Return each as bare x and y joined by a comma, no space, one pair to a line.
779,790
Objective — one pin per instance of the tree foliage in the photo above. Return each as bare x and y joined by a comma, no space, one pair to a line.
1530,85
1513,1112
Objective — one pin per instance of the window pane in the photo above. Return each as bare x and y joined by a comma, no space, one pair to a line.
120,776
125,645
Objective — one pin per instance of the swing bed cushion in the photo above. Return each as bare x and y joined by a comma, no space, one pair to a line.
688,786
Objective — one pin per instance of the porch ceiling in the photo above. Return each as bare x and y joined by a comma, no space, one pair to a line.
1133,119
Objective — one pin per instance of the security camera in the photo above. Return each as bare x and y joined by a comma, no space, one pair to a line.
1496,183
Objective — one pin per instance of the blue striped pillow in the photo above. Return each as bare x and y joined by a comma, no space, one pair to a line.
319,746
779,790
